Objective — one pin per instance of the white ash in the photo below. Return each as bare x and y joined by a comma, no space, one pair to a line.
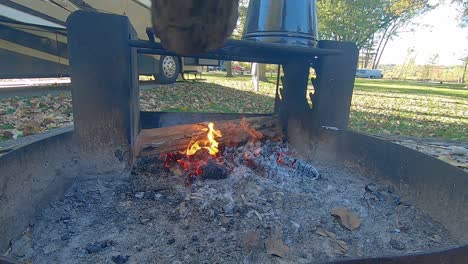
275,160
154,217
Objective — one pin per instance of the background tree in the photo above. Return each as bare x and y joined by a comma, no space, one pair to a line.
430,67
408,64
368,23
463,7
400,15
465,66
355,21
237,34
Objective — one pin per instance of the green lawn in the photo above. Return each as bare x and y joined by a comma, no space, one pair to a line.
216,94
410,108
379,106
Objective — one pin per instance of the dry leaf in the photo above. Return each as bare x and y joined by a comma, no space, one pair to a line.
325,233
7,134
348,219
252,240
453,162
274,244
341,247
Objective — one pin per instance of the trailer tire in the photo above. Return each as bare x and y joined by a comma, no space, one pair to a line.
169,69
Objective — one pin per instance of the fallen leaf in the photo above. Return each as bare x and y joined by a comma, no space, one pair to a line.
348,219
252,241
274,244
7,134
341,247
453,162
325,233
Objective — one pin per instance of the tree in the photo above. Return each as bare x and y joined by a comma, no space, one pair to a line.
262,72
401,13
465,62
237,33
463,6
429,67
409,63
228,65
354,21
368,23
239,30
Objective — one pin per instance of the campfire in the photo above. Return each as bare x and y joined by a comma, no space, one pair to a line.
224,192
237,191
201,157
210,144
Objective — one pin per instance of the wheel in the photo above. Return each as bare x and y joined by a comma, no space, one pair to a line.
169,68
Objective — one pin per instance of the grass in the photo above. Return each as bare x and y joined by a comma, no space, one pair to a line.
217,94
378,106
410,108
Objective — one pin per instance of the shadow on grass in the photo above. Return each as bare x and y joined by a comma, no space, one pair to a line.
417,113
393,83
379,123
403,97
214,98
459,93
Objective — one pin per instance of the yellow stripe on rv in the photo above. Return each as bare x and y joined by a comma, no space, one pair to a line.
7,45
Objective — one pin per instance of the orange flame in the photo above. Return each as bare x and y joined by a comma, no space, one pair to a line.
209,143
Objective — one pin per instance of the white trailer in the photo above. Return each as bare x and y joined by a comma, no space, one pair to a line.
369,73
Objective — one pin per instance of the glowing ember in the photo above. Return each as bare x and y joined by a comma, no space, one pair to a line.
209,143
206,149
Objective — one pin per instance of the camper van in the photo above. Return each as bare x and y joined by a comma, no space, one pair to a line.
369,73
33,38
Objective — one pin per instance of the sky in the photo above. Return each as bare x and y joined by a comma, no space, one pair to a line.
437,33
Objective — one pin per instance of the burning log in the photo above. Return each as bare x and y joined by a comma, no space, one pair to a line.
300,166
277,160
153,142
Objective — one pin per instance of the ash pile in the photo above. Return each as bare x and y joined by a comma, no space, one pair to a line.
255,203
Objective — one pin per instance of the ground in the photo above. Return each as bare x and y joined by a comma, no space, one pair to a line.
274,207
378,107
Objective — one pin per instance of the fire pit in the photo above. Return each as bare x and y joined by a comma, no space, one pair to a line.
293,187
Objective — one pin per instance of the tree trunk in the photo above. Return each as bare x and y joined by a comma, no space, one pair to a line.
228,65
369,47
366,58
381,52
374,63
390,34
262,72
464,72
361,58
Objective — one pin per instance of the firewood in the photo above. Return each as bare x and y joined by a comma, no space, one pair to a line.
177,138
193,27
